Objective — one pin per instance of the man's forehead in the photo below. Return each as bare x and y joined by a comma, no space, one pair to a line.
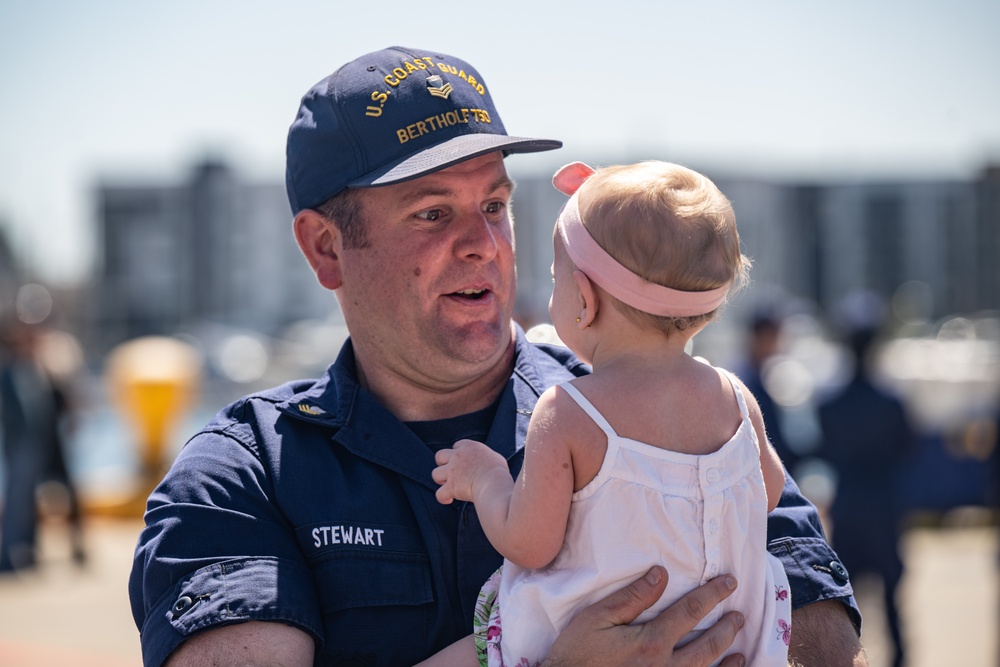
473,166
486,173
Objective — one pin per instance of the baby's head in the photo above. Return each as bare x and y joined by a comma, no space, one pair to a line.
669,225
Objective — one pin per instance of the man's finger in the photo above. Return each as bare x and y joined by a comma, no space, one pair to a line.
712,643
680,618
624,606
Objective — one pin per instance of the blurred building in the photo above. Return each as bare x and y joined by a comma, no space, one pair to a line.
212,251
218,249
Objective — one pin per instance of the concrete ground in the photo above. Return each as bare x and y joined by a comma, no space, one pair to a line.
64,615
949,600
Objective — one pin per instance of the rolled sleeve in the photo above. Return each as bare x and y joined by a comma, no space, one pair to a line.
233,591
216,550
815,573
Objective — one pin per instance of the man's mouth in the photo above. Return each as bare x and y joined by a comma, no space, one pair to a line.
471,294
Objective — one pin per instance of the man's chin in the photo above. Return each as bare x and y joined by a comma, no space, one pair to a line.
481,343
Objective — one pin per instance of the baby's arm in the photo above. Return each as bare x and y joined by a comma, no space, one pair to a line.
525,521
770,464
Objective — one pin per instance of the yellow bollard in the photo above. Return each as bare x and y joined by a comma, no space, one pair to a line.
152,381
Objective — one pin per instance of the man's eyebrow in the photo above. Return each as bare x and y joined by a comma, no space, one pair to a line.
421,193
502,183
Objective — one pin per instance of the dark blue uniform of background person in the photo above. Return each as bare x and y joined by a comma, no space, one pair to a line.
33,410
866,437
300,527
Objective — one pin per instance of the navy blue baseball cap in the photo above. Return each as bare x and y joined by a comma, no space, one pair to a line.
391,116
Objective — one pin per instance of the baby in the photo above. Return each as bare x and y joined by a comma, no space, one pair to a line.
654,458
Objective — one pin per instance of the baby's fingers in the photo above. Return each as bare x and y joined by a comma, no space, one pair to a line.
444,496
440,474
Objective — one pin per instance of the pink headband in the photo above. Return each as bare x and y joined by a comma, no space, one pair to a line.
607,272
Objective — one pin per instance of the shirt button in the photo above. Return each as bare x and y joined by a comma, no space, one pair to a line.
713,525
839,572
713,476
182,605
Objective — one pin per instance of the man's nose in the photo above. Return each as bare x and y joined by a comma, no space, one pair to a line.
480,239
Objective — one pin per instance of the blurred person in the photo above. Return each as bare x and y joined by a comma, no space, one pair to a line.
35,411
658,443
866,437
300,526
764,343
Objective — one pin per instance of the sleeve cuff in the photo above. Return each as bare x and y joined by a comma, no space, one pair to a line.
815,573
231,591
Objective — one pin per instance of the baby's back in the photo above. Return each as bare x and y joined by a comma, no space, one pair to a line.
698,515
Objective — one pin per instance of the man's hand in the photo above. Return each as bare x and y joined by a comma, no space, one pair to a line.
600,634
465,466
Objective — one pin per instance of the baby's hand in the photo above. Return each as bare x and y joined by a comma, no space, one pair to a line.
460,468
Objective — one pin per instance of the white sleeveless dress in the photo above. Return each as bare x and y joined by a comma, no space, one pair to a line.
698,516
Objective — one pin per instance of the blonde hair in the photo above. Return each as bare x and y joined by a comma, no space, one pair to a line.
668,224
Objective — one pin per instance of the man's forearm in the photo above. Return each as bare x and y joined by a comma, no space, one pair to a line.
824,636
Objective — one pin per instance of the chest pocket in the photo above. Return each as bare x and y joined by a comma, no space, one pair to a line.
367,565
349,580
377,608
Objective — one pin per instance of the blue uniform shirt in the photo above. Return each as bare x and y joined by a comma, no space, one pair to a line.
310,504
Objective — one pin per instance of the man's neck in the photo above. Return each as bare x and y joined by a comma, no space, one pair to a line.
429,399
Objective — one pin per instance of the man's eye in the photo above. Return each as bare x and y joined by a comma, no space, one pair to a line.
493,207
431,215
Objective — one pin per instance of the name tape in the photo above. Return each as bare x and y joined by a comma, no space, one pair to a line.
324,536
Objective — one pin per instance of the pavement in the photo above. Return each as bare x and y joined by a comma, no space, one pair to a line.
62,614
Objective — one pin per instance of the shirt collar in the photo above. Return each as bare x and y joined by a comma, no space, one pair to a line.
330,399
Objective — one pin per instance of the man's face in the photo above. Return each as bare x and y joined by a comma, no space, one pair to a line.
430,296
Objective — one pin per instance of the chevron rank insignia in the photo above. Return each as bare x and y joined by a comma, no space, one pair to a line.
437,87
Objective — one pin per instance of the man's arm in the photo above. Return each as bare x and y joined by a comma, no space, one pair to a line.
252,644
191,575
823,634
825,618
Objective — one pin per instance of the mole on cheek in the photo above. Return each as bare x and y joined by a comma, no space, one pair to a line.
417,271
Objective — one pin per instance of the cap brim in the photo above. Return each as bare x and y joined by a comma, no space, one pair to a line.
449,153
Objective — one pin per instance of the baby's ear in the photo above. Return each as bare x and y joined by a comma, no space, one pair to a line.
569,178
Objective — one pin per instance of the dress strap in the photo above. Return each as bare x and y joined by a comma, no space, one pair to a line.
589,408
740,398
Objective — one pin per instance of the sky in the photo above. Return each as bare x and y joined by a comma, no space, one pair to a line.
137,91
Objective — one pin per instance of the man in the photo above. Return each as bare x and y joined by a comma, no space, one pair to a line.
867,437
300,527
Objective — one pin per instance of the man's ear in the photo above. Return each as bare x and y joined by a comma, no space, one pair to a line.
321,242
588,296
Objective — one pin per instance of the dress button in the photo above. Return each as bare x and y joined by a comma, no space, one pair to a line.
713,525
713,476
839,572
182,605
